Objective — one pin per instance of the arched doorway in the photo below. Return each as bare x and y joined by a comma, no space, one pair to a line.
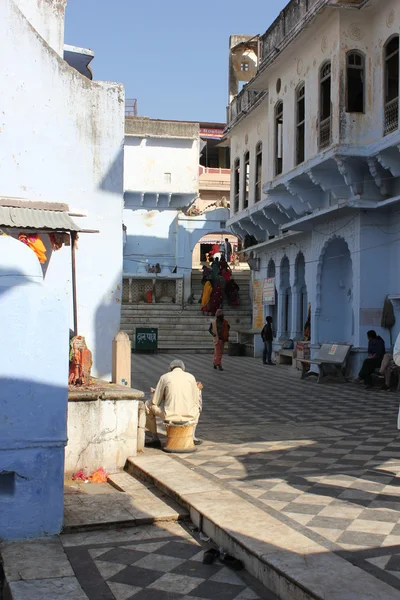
271,308
202,251
300,298
285,296
334,314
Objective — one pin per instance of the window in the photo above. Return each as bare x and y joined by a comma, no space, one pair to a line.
167,177
279,138
325,107
246,174
300,123
257,194
355,94
236,185
391,89
244,66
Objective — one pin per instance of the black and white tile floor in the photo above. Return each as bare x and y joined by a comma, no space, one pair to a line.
324,459
162,563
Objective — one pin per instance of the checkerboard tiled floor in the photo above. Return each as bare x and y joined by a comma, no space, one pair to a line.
324,459
156,566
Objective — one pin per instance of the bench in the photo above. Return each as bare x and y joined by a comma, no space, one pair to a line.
331,360
285,356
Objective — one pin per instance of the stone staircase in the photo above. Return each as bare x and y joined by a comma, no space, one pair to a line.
185,329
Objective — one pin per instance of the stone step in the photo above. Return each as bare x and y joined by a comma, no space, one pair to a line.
286,562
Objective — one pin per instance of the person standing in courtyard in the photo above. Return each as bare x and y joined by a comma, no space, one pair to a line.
219,329
376,352
267,335
227,250
176,399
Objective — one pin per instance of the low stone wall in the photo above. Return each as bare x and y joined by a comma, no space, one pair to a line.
103,429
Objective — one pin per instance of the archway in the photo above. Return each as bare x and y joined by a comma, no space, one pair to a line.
300,297
271,308
334,311
285,304
202,250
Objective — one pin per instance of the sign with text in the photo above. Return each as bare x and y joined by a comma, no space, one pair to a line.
269,291
258,307
146,339
211,133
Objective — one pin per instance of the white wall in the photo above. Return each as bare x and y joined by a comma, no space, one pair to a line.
47,18
245,137
61,139
147,160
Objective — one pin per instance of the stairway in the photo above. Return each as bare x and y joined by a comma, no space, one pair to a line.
185,329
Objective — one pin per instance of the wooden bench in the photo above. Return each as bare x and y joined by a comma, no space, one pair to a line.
179,438
331,360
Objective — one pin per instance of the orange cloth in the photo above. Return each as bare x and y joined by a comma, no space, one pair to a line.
35,243
207,291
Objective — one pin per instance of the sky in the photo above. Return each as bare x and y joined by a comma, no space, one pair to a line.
172,55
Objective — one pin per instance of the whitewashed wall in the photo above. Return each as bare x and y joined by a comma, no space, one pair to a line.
149,160
61,139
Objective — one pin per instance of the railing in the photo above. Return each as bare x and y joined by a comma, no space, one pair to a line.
131,107
213,171
391,116
325,133
242,102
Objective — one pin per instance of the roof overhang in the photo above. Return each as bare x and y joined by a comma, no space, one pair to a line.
79,59
43,216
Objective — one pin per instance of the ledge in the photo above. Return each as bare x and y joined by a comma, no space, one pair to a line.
102,390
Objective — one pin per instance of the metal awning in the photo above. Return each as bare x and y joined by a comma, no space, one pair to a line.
24,214
33,218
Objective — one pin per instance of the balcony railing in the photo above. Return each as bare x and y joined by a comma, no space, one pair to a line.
325,133
242,102
236,204
213,171
391,116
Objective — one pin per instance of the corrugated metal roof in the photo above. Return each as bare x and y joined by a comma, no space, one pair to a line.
34,218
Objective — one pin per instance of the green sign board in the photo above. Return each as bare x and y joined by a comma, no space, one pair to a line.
146,339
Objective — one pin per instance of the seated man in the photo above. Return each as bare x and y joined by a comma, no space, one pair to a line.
376,352
176,399
389,365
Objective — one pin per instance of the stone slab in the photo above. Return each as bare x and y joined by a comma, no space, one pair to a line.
48,589
290,564
41,559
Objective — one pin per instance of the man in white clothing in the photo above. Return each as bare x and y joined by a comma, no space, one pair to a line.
176,399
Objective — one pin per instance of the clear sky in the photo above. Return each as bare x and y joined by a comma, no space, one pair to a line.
172,55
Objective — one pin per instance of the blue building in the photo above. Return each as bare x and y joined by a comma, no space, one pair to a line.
314,138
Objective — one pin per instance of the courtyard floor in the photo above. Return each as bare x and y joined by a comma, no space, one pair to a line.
323,459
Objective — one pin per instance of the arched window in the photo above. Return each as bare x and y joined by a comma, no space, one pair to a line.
300,123
279,138
325,105
236,185
391,89
246,176
257,191
355,90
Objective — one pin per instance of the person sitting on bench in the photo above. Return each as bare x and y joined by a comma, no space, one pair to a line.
376,352
176,399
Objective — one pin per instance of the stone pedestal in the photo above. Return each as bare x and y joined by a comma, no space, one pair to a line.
121,359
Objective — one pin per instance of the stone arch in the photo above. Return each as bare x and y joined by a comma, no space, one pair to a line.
285,298
271,309
334,298
300,295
